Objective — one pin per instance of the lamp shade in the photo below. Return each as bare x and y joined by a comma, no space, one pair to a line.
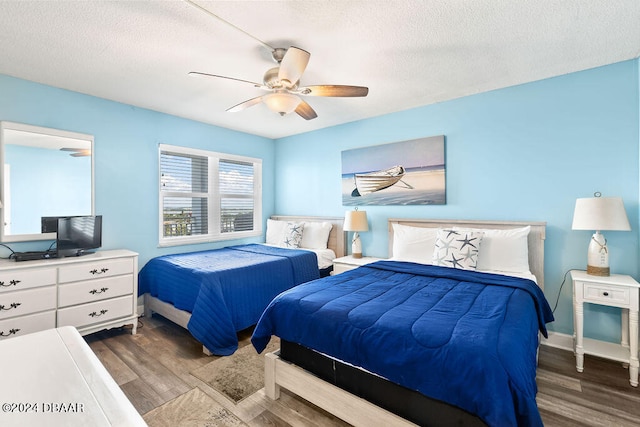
355,221
281,102
600,213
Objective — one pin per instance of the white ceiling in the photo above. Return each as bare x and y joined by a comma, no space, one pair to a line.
408,52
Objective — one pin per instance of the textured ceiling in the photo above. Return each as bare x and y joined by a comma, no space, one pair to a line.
408,52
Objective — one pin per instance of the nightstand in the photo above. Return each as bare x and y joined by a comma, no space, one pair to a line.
614,291
346,263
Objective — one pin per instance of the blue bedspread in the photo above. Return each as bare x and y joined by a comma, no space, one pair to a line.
462,337
226,290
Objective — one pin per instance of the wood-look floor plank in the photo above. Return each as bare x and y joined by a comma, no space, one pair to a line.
119,370
153,369
146,366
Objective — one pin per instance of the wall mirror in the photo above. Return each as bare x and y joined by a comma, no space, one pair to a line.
43,173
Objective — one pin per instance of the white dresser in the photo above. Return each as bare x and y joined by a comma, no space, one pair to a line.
90,292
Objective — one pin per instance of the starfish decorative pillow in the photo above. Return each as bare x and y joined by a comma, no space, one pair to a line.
292,236
457,248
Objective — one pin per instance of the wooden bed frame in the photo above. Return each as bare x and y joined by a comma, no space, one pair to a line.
349,407
337,242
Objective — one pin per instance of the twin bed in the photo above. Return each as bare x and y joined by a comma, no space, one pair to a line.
436,345
216,293
395,342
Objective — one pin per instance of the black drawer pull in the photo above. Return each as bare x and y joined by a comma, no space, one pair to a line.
96,271
94,314
95,291
11,332
606,294
12,305
11,283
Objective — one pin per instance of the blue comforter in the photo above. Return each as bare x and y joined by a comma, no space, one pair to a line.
462,337
226,290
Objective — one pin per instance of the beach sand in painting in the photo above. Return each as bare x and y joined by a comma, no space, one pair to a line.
428,189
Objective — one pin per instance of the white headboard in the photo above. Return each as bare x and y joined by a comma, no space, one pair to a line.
536,236
337,237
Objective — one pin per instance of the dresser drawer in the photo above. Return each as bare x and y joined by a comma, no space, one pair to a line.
94,290
607,294
95,270
27,302
15,280
22,325
95,312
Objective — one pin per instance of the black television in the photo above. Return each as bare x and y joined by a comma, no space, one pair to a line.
78,235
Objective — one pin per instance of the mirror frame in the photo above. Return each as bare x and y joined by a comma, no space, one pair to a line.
4,125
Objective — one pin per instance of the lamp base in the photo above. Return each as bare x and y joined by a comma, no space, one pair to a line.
597,271
356,246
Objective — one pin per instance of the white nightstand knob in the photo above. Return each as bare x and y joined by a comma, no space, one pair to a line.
606,294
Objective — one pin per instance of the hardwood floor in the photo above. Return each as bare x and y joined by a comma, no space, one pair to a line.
153,369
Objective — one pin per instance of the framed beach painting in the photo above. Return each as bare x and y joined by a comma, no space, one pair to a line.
402,173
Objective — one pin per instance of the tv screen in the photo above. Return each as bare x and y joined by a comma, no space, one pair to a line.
78,235
49,224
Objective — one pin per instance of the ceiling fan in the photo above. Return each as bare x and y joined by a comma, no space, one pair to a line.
283,82
77,152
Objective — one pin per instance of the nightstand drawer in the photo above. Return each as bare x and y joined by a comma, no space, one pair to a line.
607,294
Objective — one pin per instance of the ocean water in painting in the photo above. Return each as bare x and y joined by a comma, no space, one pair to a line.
418,186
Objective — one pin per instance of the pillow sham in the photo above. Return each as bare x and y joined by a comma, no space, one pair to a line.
504,250
413,244
457,248
315,235
275,231
292,236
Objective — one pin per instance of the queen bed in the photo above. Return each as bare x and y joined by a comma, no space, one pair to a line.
216,293
402,341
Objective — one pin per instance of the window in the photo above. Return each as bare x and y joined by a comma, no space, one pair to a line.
207,196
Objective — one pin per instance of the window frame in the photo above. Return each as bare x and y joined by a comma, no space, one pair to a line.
213,196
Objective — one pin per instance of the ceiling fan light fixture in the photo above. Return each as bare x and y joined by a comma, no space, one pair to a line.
281,102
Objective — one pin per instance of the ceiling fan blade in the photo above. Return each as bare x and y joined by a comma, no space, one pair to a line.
246,104
334,90
293,64
199,74
305,111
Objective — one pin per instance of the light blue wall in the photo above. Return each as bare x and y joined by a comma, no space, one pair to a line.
521,153
126,157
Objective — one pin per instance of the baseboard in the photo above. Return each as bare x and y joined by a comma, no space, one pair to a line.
558,340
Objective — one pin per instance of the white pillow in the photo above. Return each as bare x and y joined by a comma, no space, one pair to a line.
275,231
504,250
292,236
413,244
315,235
457,248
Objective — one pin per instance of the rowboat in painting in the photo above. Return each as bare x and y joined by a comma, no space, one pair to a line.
370,182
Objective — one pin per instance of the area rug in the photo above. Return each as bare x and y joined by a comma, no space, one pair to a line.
192,409
239,375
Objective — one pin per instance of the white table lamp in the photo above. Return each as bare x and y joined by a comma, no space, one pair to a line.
599,213
356,221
